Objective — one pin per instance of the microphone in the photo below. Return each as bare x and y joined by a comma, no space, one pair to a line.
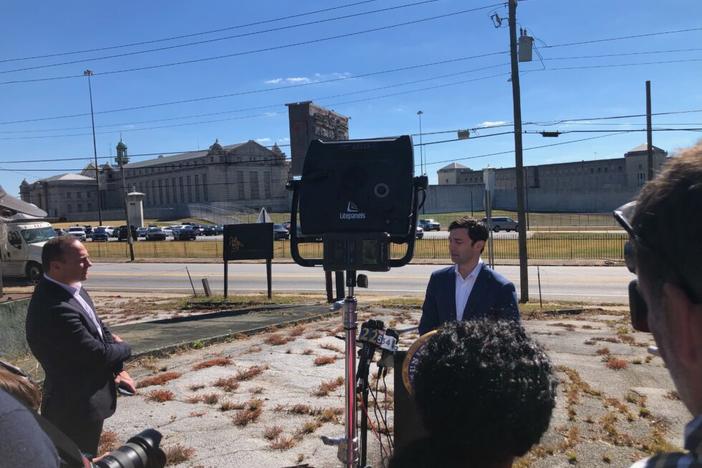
388,346
371,335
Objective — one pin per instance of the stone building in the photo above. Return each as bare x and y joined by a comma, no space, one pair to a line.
239,177
584,186
310,122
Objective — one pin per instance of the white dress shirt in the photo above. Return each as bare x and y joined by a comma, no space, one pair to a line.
463,288
74,290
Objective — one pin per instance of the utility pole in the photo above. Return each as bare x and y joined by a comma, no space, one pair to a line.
89,73
649,130
519,164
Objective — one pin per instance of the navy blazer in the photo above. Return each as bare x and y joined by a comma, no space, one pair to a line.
79,365
493,296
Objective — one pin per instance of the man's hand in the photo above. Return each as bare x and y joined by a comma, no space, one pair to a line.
125,381
117,338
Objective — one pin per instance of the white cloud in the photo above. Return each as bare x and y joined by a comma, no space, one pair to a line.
263,140
493,123
316,77
270,114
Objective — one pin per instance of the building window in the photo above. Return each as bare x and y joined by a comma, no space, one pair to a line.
90,207
161,200
204,187
197,187
190,190
80,207
79,195
240,184
267,184
182,189
253,177
69,208
68,195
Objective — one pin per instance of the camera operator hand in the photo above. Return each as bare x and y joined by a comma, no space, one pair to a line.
124,380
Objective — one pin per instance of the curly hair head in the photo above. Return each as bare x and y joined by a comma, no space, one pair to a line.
486,388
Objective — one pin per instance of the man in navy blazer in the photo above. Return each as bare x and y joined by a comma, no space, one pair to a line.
467,290
82,360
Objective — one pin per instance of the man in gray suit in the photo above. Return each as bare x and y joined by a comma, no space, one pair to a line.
81,359
467,290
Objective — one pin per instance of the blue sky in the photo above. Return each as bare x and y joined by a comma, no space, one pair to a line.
466,93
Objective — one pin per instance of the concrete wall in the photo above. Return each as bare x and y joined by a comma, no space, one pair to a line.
448,198
600,201
13,315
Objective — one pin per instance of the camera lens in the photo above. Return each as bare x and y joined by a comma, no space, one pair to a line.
141,451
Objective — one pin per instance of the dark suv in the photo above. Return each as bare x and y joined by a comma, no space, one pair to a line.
122,233
183,233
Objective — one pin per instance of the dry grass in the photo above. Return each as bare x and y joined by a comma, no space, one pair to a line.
108,442
178,453
331,347
251,412
158,379
210,398
196,387
277,339
616,363
253,349
307,352
228,384
256,390
325,388
313,335
283,442
672,395
160,396
602,351
324,360
271,433
196,414
220,361
230,405
308,428
250,373
297,331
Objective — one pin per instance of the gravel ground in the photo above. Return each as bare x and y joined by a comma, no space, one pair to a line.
616,402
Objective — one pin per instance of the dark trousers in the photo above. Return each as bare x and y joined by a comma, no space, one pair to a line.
85,434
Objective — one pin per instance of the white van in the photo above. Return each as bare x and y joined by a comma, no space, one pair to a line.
21,242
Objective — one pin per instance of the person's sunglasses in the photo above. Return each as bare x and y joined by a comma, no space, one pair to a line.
637,305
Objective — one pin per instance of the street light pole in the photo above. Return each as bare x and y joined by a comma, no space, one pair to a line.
89,73
421,145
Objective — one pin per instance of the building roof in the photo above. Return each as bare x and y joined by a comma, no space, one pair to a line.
178,157
67,177
453,166
644,148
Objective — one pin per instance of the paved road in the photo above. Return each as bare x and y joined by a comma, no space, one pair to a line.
591,284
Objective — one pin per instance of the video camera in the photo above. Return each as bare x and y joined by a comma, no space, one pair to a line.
358,196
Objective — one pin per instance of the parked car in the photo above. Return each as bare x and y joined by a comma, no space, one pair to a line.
195,227
110,231
430,224
168,230
209,230
184,233
78,232
155,233
59,232
122,233
279,232
100,234
420,232
88,231
141,231
287,225
501,223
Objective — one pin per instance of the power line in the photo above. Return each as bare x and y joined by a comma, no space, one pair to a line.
256,51
624,54
498,153
256,91
620,38
184,36
207,41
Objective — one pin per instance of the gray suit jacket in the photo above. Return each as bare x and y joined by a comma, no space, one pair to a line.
493,296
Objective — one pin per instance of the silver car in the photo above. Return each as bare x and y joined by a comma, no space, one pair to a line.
501,223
